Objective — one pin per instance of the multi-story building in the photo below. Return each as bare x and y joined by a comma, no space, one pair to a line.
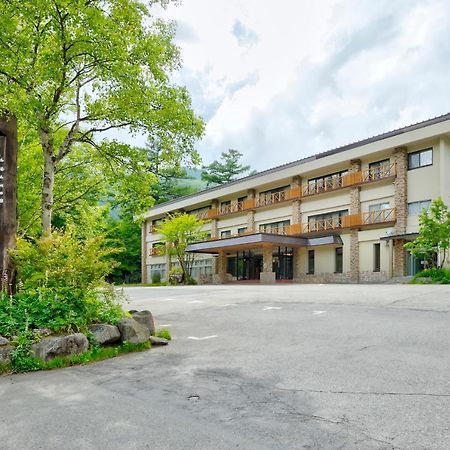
339,216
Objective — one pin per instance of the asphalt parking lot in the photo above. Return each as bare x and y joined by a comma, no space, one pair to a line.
255,367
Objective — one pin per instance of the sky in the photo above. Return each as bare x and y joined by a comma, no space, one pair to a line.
281,80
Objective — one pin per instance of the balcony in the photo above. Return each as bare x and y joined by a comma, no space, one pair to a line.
156,251
361,220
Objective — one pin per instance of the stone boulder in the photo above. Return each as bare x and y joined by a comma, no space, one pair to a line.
48,348
132,331
3,341
158,341
145,318
105,333
5,354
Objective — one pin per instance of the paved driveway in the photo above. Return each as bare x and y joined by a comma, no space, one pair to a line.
255,367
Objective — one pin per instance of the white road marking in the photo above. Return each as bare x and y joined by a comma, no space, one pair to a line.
196,301
167,300
195,338
271,307
229,304
166,325
317,313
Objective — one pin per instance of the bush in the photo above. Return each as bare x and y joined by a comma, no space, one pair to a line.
437,276
156,278
163,333
175,275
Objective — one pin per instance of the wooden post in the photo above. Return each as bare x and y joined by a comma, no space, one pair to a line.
8,200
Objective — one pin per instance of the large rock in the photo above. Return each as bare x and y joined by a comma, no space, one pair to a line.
5,354
132,331
3,341
49,348
104,333
144,318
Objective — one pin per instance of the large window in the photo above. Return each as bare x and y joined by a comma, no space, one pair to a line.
201,267
379,169
339,260
415,208
275,227
379,206
158,268
326,182
225,233
422,158
311,262
376,257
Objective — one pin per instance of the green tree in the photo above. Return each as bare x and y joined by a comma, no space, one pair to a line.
434,234
178,231
72,70
225,170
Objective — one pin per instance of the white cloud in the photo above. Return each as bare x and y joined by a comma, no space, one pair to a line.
279,81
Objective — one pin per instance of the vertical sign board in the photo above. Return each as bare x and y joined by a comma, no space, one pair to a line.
8,199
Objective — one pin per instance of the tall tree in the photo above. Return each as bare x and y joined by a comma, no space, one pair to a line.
434,235
71,70
225,170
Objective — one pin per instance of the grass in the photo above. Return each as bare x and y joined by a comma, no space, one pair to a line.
92,355
163,333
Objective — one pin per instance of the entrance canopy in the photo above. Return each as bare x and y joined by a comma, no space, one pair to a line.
259,240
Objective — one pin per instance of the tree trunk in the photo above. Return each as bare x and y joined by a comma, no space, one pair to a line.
48,183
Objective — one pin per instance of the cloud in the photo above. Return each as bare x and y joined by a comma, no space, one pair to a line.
280,83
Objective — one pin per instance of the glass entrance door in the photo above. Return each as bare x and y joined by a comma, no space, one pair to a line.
283,263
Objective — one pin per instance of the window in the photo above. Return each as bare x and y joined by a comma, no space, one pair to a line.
379,206
275,227
379,169
328,221
242,199
160,268
415,208
311,262
376,257
242,230
325,182
339,260
225,233
201,267
272,196
422,158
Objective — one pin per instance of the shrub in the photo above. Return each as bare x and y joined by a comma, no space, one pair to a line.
163,333
156,277
438,276
175,275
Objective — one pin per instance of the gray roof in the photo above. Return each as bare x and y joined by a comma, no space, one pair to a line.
333,151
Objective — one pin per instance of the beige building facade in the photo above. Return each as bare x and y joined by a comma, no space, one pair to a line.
340,216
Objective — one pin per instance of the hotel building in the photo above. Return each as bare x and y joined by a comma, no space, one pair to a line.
342,216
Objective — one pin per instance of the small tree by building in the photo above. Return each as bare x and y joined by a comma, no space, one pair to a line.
178,231
220,172
434,235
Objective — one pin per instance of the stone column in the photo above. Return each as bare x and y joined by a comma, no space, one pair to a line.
444,165
214,222
144,278
251,194
220,276
267,276
401,210
355,208
296,264
296,204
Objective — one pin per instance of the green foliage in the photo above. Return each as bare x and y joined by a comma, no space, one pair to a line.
220,172
435,274
177,232
21,361
163,333
434,234
72,70
175,276
156,277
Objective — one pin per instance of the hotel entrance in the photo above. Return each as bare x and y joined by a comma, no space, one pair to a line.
248,264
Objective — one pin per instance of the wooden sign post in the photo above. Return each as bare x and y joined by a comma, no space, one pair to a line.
8,200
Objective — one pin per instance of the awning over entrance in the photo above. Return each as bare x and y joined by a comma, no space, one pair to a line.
396,237
260,240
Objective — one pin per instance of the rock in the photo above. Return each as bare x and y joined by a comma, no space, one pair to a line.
105,333
158,341
132,331
51,347
42,332
144,318
5,354
3,341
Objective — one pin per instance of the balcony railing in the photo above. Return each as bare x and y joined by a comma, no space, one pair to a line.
156,251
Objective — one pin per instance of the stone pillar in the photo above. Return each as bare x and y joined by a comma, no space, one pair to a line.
144,278
296,264
400,189
251,194
399,257
444,167
355,208
267,276
296,204
220,277
214,222
401,210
